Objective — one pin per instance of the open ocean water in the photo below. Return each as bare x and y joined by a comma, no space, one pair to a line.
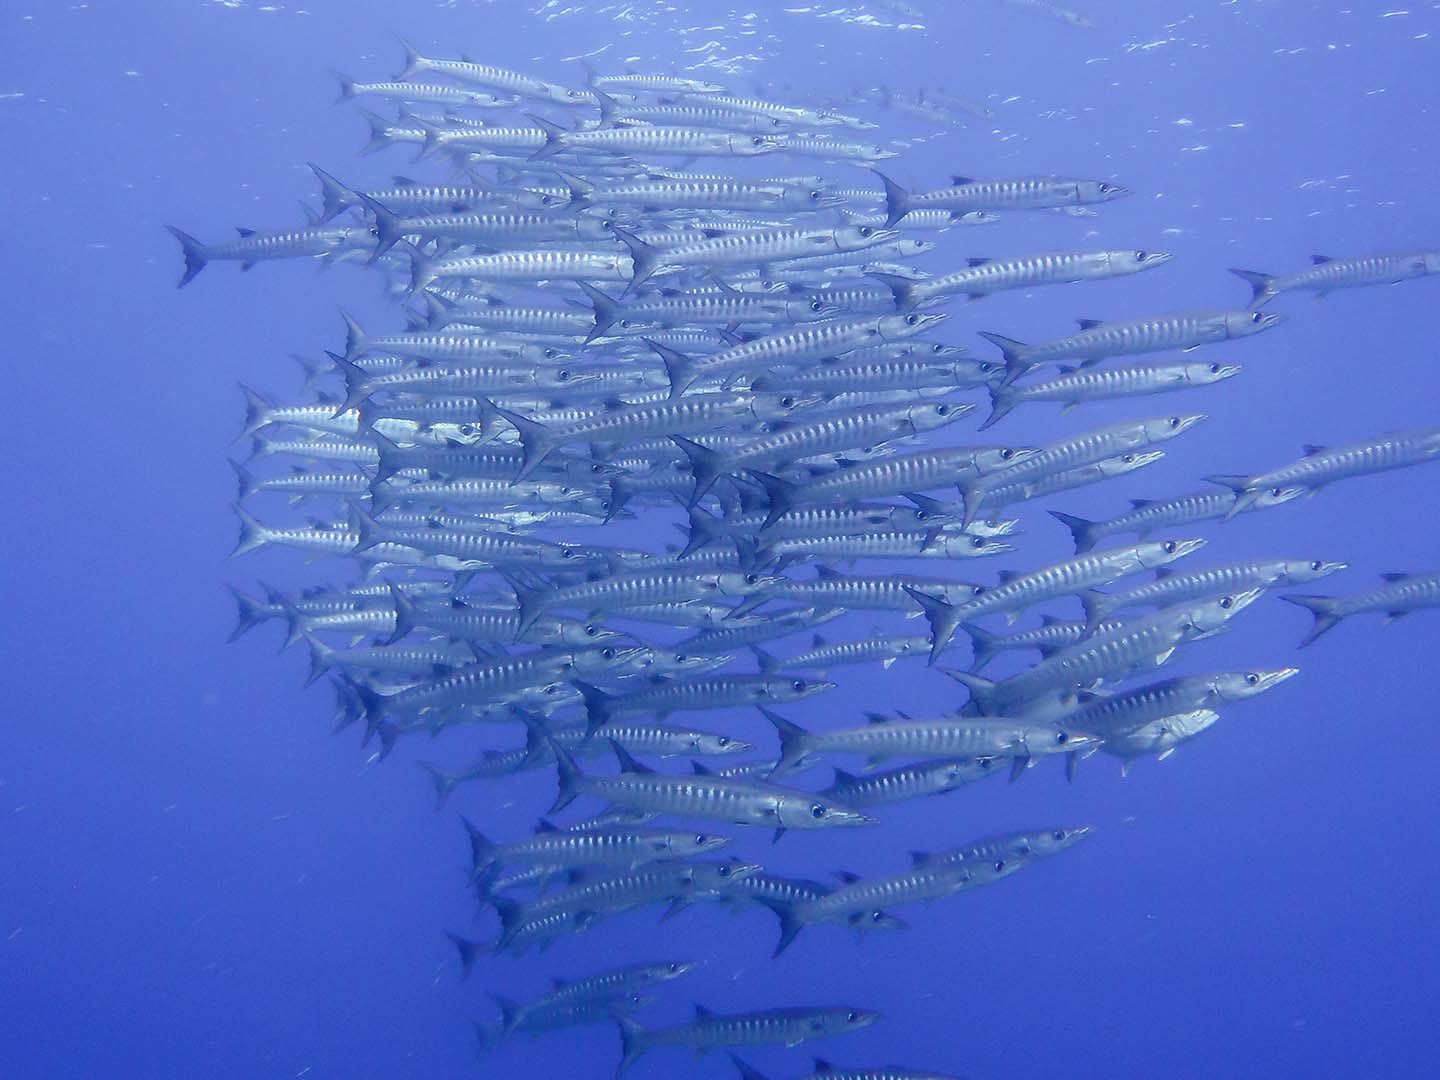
197,880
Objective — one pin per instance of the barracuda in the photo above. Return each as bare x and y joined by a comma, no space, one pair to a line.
1023,193
1074,387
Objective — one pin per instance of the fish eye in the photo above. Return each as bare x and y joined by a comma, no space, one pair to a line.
1061,738
1058,834
999,865
852,1016
977,541
922,515
1128,458
467,429
817,811
816,305
787,402
798,684
1253,679
937,348
865,231
942,410
1107,188
1170,547
1142,255
626,323
815,195
1214,369
1315,564
597,467
591,631
676,967
1257,318
1277,492
608,654
758,141
987,367
1227,602
724,871
911,320
722,740
977,590
877,916
751,579
1006,455
563,375
1174,421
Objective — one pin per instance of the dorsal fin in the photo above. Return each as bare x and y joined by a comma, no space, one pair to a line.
700,769
543,826
961,180
701,1012
557,982
1089,324
826,573
817,641
978,262
843,777
1395,575
1140,504
846,877
920,858
1162,572
404,181
1311,449
1321,260
244,232
1007,575
627,762
877,718
823,1066
1049,620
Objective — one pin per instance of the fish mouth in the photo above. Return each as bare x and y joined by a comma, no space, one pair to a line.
1271,679
1157,258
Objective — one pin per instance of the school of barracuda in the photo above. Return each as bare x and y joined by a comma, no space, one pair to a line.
606,331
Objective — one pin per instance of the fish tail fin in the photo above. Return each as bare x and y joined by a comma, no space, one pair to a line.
535,439
355,343
196,255
582,192
380,136
986,644
794,741
1097,606
1242,486
347,86
509,1012
253,535
1081,530
250,613
597,705
257,410
1262,286
357,383
1002,400
246,484
705,529
746,1072
389,227
790,924
482,851
943,617
607,310
469,952
1325,609
1015,354
644,259
370,531
422,270
567,773
414,62
335,197
902,288
706,466
780,493
679,368
554,137
322,658
982,690
405,613
633,1043
530,604
897,200
444,784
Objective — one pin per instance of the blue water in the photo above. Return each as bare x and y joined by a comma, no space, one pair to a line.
197,881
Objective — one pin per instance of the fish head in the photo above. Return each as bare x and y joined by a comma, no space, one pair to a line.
1167,427
1276,496
839,1021
1431,262
710,745
1098,191
1126,463
1163,552
1135,260
1240,324
1202,374
857,237
1232,686
1053,841
970,546
681,845
876,919
810,197
739,583
900,327
975,217
611,660
673,970
802,810
668,660
933,415
805,309
1211,614
994,459
794,688
771,407
752,145
1299,571
588,634
564,95
1058,739
590,227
